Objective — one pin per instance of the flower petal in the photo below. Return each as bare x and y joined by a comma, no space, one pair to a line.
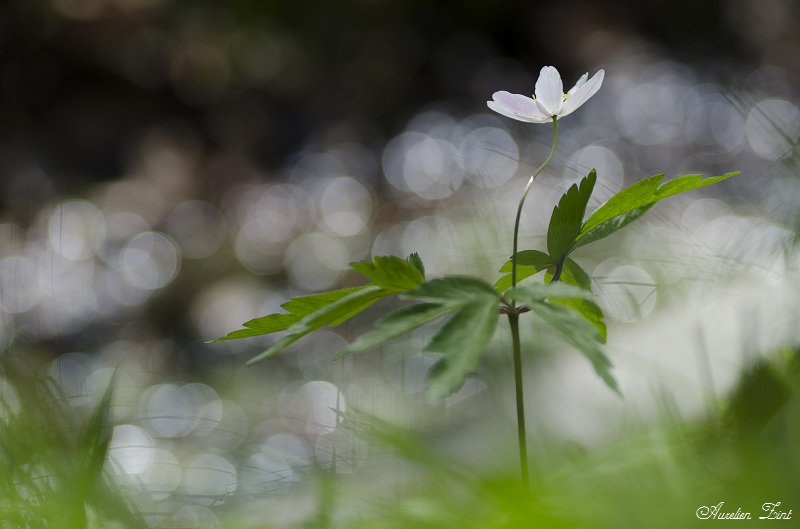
517,107
583,93
550,90
581,82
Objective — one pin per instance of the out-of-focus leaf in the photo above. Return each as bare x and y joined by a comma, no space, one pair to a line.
391,273
541,291
462,341
573,326
567,218
529,262
453,289
573,274
297,308
333,314
395,324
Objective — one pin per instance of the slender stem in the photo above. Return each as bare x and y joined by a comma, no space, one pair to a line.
513,320
557,274
522,201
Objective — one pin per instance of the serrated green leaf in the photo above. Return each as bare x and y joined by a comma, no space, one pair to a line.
632,202
333,314
608,227
277,347
574,327
340,311
573,274
529,262
453,289
590,310
391,273
567,218
416,261
462,341
636,196
688,183
297,308
395,324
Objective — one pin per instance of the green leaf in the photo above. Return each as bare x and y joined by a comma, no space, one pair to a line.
636,196
340,311
540,292
297,308
416,261
573,274
573,326
391,273
453,289
567,218
632,202
395,324
462,341
608,227
333,314
529,262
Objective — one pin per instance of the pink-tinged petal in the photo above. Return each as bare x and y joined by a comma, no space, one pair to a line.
583,93
550,90
517,107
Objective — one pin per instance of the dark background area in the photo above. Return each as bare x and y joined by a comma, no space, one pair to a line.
82,82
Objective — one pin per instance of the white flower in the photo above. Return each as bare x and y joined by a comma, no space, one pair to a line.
550,100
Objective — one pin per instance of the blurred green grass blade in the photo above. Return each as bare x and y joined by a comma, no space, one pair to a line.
529,262
93,444
391,273
567,217
395,324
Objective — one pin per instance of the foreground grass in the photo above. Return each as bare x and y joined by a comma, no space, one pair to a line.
745,454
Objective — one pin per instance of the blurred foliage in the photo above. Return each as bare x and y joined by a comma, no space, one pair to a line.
744,454
52,456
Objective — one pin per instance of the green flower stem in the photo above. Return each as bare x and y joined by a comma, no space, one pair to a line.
513,320
522,201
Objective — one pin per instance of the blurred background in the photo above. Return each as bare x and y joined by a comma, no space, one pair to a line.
172,169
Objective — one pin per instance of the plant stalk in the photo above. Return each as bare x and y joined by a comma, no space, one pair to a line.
513,320
522,201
